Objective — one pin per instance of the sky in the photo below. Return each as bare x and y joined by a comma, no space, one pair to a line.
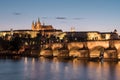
83,15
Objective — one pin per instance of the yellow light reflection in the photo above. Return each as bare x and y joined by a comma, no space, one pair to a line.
26,60
33,60
55,66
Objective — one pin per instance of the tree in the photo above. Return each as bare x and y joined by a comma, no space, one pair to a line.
15,43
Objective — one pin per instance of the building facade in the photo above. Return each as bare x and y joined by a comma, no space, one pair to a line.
89,35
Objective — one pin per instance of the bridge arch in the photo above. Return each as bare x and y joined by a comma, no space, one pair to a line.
74,53
55,46
117,46
95,51
92,44
75,45
111,53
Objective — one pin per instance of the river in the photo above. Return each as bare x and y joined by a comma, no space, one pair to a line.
23,68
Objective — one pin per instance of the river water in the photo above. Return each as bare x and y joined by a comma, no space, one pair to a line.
57,69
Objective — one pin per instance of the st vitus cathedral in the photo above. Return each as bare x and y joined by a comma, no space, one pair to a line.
36,26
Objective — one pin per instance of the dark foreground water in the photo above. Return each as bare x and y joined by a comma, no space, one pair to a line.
56,69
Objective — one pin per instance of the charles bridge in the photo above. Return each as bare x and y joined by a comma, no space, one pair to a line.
108,49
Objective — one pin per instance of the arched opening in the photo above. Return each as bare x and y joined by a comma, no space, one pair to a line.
118,51
110,54
79,52
74,53
96,52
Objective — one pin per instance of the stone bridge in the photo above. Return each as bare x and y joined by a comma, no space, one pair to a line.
109,48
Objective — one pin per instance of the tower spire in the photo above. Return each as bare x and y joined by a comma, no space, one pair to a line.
38,20
38,25
33,25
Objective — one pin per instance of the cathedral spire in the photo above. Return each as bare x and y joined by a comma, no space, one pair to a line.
33,25
38,25
43,23
39,21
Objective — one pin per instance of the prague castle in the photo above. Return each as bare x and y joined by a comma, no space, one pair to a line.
38,26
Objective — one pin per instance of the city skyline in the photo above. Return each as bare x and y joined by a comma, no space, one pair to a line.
83,15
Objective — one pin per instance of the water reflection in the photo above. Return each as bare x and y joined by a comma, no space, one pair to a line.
25,60
57,69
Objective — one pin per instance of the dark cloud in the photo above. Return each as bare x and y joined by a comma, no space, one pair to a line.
61,18
64,18
16,13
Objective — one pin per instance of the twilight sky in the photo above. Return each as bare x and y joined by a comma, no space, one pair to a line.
83,15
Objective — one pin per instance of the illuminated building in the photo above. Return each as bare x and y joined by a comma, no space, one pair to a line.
36,28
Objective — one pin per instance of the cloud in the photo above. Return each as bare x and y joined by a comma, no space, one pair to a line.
16,13
78,18
63,18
